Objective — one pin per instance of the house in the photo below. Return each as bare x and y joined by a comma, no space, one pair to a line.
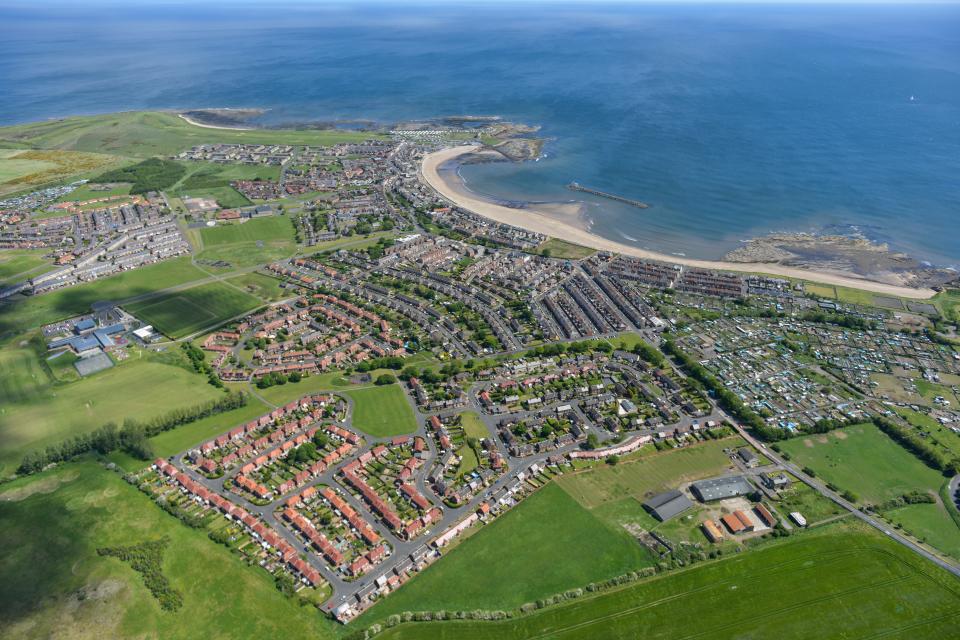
748,457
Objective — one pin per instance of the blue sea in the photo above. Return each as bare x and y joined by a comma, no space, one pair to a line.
732,121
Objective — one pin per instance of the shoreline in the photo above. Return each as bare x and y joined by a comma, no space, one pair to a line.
212,126
538,221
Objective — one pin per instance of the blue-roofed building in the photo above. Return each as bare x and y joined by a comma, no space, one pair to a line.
84,325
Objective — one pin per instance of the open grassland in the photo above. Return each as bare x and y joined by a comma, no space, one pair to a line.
143,134
19,264
644,475
190,435
864,460
556,248
547,544
24,170
207,175
473,426
227,197
382,411
36,412
260,285
54,584
948,302
256,241
840,582
942,437
24,313
180,313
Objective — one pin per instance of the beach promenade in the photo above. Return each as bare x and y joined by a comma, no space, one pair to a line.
532,219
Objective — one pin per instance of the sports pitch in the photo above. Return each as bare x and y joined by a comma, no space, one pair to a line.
180,313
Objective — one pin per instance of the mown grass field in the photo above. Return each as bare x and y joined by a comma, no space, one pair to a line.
864,460
35,411
256,241
25,313
19,264
382,411
53,583
143,134
547,544
180,313
642,476
260,285
557,248
840,582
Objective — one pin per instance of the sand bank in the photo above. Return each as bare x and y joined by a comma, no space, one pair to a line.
533,219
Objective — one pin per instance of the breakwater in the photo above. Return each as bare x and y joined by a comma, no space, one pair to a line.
575,186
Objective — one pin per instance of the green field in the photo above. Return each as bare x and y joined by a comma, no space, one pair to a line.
263,286
473,426
947,440
32,312
864,460
190,435
642,476
382,411
19,264
226,197
841,582
556,248
143,134
547,544
257,241
53,583
180,313
35,411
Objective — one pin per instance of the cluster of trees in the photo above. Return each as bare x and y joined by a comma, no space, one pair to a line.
199,361
155,174
839,319
560,348
912,497
649,353
389,362
145,558
132,438
727,399
276,378
918,446
385,379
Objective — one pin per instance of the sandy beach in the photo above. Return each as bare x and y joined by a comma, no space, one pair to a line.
212,126
566,228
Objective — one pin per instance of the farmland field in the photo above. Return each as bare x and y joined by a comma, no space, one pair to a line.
842,581
39,412
643,476
63,303
52,525
181,313
382,411
528,553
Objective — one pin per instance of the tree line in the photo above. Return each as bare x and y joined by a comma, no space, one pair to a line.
131,438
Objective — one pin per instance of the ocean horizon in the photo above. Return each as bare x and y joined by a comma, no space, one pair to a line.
731,121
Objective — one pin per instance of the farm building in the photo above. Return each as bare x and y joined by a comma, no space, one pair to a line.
721,488
667,505
713,532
